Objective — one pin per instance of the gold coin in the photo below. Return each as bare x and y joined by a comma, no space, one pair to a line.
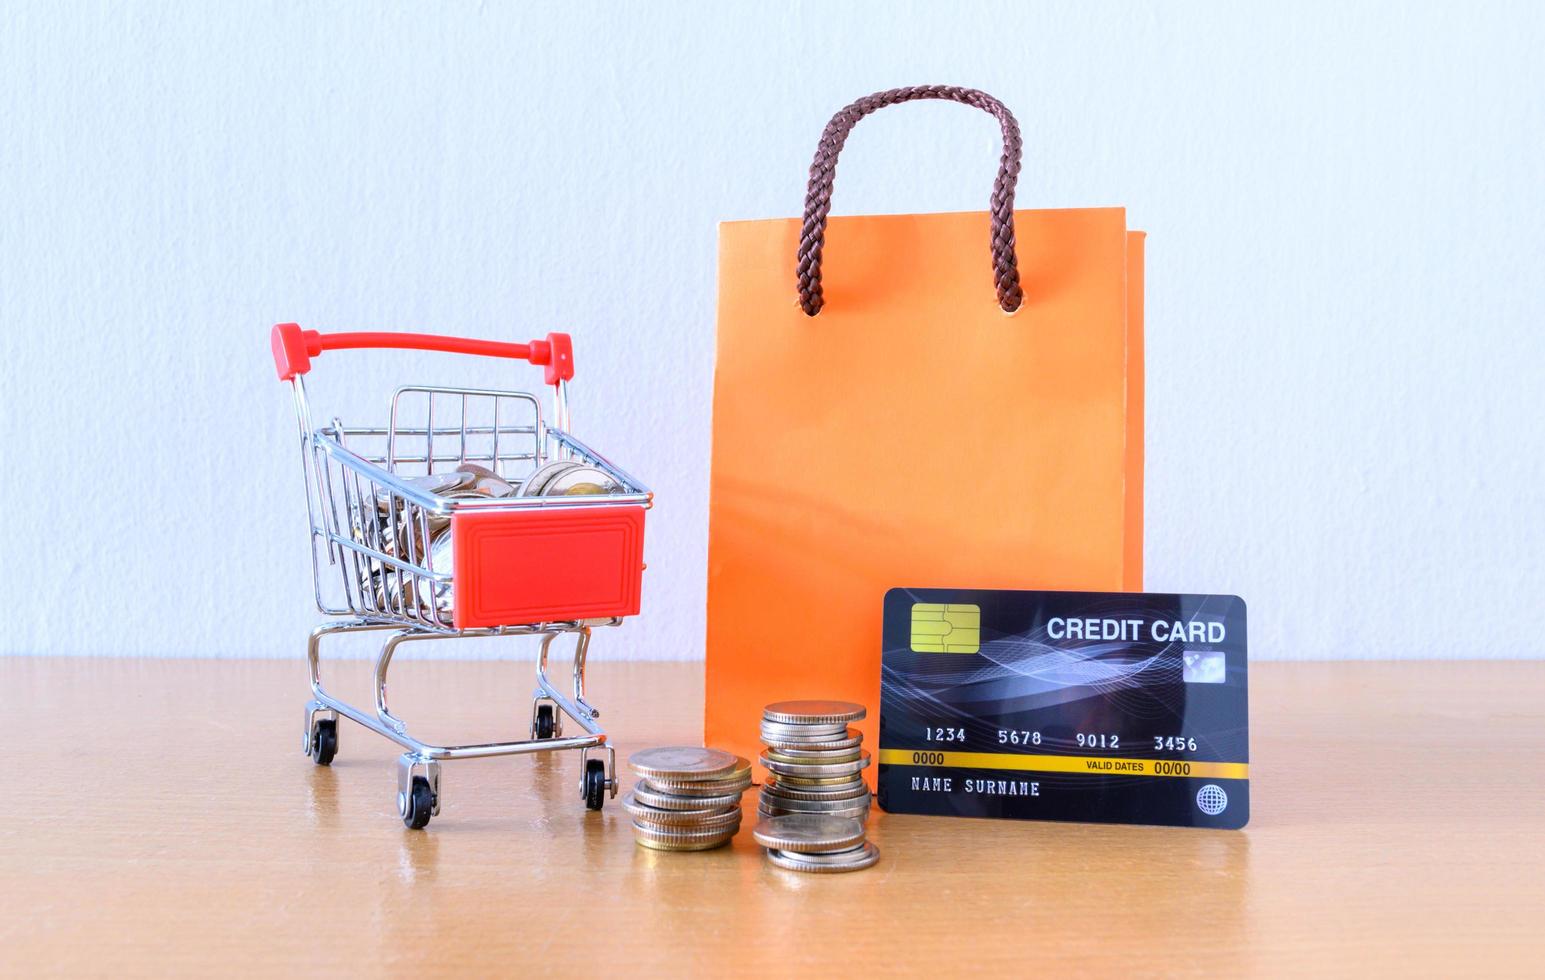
666,839
728,821
706,790
650,795
708,845
701,819
807,781
845,791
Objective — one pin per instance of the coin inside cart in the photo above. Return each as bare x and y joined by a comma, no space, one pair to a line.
579,481
441,482
539,479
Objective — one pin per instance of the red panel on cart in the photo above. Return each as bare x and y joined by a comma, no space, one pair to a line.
544,565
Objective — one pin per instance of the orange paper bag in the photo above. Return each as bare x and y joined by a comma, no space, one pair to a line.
939,400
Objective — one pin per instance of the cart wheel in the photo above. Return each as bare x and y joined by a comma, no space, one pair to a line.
324,741
418,805
595,784
546,724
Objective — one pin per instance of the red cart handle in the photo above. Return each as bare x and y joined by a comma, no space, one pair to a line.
294,348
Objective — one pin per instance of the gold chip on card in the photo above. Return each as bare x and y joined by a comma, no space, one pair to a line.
940,627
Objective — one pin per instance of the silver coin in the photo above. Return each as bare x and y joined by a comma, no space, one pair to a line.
820,728
492,486
540,477
702,817
442,553
809,833
801,782
814,758
646,793
742,769
579,480
408,594
815,804
838,808
434,483
855,860
851,739
841,791
486,481
834,732
442,559
681,840
812,712
734,781
683,762
441,482
705,845
794,805
781,792
809,770
669,821
859,813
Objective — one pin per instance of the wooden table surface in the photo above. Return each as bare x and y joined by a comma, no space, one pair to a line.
160,819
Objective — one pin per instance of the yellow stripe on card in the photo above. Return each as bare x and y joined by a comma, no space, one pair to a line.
1093,765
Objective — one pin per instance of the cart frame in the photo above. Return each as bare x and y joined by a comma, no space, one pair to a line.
387,585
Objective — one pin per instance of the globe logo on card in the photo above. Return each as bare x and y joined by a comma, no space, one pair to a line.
1211,799
946,627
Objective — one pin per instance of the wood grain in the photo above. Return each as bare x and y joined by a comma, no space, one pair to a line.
162,820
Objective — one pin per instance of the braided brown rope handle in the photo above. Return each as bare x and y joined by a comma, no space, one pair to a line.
818,198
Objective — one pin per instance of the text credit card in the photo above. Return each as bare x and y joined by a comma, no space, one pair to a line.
1112,707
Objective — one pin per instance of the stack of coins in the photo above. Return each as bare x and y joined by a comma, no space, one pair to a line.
816,842
686,798
814,760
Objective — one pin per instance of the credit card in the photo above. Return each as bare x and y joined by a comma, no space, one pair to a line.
1108,707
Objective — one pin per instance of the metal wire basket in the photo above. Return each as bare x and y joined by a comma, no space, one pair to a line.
467,514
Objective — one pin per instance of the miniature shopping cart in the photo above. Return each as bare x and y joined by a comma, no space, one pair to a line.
468,514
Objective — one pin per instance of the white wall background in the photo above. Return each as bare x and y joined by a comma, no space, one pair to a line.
1345,302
